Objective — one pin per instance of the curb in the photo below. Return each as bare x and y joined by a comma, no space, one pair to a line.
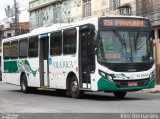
155,90
150,91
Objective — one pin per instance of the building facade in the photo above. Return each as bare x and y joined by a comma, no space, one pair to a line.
8,30
47,12
151,9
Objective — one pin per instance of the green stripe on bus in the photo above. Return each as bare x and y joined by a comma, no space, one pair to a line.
29,67
19,66
10,67
107,85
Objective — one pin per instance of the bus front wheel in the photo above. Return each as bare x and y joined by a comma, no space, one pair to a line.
119,94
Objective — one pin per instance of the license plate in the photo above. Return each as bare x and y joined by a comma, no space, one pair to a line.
132,84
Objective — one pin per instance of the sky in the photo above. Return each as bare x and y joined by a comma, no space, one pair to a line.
23,6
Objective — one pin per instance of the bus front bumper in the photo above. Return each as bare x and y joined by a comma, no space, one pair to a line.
107,85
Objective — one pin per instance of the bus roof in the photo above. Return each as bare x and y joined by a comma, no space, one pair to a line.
61,26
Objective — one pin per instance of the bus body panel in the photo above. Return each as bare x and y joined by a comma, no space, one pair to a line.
59,68
10,72
55,72
14,68
32,72
8,78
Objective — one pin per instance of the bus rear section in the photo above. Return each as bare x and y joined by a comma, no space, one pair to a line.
20,60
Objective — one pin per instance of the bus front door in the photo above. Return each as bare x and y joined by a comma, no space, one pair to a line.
86,57
43,60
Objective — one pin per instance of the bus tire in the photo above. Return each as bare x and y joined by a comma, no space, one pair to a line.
120,94
24,84
74,88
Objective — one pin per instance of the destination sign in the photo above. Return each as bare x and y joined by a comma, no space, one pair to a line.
124,22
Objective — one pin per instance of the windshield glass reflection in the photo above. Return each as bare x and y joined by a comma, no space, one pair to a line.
125,46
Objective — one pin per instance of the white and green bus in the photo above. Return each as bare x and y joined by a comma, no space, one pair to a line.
110,54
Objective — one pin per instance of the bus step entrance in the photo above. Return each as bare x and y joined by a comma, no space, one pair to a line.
44,87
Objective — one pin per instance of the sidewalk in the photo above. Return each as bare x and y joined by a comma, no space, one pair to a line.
156,89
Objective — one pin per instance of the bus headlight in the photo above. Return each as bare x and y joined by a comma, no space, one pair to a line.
152,74
105,75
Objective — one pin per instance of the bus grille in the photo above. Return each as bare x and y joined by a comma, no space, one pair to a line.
124,83
136,67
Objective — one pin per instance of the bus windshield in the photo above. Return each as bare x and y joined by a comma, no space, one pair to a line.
125,46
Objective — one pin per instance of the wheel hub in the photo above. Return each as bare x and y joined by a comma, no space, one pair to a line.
74,87
23,86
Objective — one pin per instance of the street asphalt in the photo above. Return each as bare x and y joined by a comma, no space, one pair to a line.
14,101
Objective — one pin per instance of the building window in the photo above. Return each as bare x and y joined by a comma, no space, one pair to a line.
9,35
39,18
125,11
57,13
114,4
86,8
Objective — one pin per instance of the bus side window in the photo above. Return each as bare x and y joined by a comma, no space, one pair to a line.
69,41
23,48
6,50
56,43
14,49
33,46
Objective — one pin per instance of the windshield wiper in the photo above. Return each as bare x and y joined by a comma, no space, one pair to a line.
130,48
122,40
138,42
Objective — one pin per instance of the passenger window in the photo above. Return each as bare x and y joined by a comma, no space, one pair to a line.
6,50
56,43
69,41
23,48
33,46
14,49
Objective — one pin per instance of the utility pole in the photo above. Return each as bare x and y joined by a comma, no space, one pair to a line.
16,18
